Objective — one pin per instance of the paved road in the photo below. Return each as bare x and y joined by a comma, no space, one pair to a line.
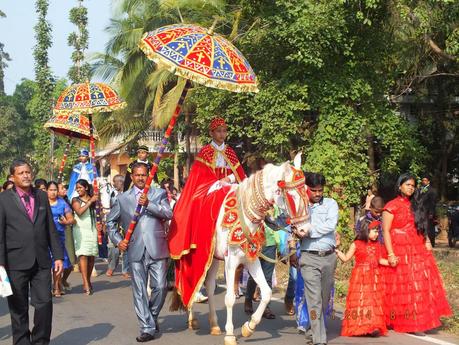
107,318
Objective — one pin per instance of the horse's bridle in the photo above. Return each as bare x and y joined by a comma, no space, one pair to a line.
256,206
296,216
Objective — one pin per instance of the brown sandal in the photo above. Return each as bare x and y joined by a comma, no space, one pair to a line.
289,308
57,293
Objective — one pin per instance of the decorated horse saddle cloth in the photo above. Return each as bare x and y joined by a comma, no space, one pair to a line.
236,235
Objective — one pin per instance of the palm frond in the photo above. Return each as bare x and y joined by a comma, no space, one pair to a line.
168,104
157,84
106,67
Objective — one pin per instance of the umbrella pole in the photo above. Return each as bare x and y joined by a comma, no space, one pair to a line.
94,181
154,167
64,159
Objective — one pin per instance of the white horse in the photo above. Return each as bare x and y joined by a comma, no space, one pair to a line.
105,191
273,185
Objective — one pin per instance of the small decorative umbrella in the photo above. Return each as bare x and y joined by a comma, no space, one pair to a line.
72,126
196,54
89,98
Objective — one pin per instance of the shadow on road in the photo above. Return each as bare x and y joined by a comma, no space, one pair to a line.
84,335
102,285
266,330
5,332
3,307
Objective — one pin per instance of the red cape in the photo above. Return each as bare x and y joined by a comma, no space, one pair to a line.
191,236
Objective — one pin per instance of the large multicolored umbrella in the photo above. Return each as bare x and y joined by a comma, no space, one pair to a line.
200,55
72,126
89,98
196,54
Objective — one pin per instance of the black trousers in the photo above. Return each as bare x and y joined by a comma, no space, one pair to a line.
267,268
38,281
431,231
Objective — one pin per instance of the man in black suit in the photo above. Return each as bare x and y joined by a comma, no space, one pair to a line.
27,233
429,196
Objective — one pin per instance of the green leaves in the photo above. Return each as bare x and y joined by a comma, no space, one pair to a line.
80,71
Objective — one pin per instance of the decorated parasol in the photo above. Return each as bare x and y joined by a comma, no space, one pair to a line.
195,54
89,98
72,126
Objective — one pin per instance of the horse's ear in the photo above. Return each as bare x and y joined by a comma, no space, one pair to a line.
297,161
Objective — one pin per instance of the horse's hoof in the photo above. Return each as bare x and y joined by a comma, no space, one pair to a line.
230,340
246,330
193,324
215,330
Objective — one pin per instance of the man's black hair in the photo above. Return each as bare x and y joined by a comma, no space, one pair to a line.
315,179
138,165
18,163
40,182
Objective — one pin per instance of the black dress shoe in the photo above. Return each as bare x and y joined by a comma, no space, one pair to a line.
144,337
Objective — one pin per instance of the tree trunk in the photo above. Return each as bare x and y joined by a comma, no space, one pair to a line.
2,76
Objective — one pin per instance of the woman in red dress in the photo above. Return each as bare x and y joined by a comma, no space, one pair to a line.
364,313
415,297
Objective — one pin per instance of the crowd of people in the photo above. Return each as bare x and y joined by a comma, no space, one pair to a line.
48,228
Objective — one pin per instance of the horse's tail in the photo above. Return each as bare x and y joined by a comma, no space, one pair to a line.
176,303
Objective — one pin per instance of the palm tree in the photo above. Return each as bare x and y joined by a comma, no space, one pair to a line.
147,89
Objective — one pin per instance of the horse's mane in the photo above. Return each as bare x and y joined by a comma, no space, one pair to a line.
270,171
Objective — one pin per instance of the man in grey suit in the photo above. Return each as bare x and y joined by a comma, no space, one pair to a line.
147,249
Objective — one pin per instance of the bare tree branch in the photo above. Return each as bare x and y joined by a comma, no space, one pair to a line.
438,50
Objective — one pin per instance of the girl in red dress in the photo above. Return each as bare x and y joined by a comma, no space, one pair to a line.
364,313
415,297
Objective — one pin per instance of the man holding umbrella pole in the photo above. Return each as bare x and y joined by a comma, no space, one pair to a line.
147,249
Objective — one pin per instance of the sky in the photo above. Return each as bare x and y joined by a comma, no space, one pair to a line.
18,35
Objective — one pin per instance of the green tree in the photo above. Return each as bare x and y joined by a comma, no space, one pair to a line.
23,94
4,57
9,131
41,104
80,71
427,63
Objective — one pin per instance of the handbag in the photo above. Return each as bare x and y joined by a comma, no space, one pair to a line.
5,285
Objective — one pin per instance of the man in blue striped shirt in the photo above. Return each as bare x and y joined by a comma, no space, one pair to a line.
318,258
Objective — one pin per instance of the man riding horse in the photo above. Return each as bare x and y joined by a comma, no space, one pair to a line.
193,224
